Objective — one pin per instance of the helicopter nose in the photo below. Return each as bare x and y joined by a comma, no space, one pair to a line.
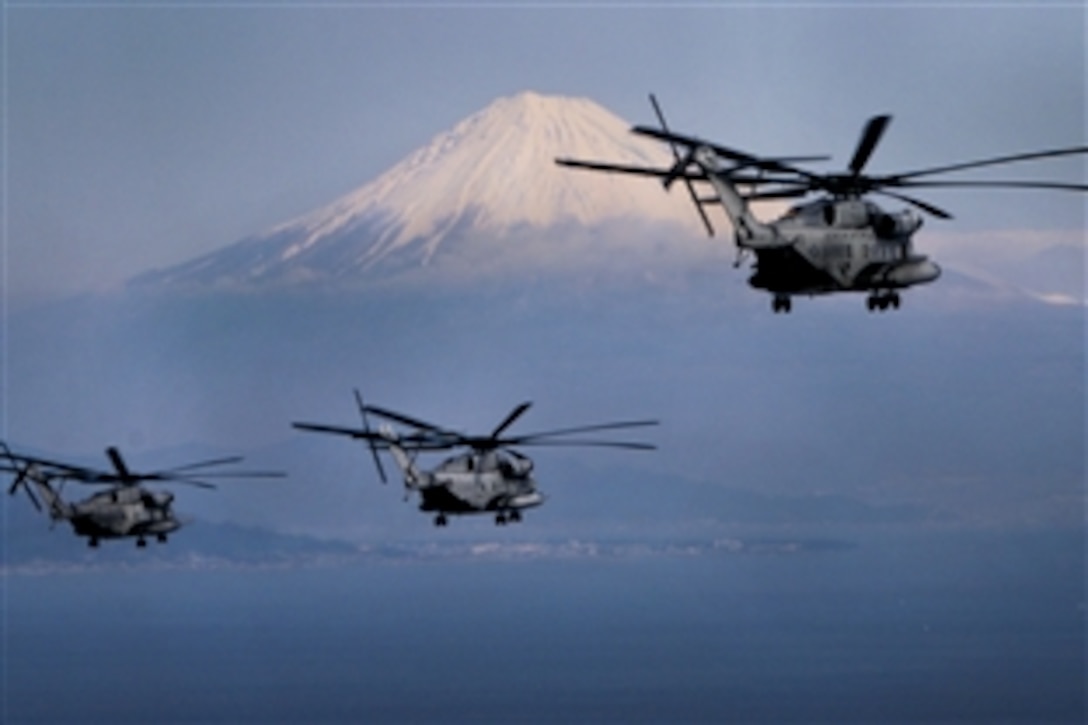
918,271
928,271
527,500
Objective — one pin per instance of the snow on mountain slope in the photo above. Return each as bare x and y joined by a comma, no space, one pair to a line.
491,177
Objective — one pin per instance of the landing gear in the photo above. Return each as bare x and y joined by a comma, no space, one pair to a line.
882,301
502,518
781,303
141,542
92,542
440,520
161,538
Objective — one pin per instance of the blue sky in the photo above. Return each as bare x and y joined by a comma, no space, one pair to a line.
140,135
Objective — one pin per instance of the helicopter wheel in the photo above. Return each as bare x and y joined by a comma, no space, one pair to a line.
500,519
515,516
161,538
440,520
92,542
141,542
882,302
781,303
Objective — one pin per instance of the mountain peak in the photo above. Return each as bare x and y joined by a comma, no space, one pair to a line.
491,176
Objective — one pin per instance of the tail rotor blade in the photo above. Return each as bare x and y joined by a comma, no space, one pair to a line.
664,125
33,498
370,436
20,480
680,162
679,167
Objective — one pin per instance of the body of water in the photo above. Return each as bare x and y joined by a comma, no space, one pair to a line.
957,628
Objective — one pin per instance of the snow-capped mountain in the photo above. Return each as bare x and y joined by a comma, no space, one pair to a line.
476,192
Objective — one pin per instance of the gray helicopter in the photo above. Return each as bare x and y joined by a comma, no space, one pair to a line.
840,242
126,508
489,476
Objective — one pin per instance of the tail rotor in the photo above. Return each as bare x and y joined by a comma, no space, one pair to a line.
681,165
370,435
21,481
21,472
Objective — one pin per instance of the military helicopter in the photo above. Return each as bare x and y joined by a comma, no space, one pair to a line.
840,242
126,508
488,477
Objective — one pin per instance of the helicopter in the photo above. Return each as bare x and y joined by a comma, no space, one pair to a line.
487,476
839,242
126,508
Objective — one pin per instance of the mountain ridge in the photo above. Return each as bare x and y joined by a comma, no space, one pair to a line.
484,188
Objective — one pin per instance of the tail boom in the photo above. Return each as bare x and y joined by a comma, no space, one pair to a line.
750,232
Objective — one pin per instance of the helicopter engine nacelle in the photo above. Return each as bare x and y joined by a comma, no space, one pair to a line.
896,226
521,466
127,495
847,214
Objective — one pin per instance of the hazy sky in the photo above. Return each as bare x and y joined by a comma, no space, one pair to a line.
140,135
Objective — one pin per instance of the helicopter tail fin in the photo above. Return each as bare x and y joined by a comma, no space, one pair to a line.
750,231
38,489
413,477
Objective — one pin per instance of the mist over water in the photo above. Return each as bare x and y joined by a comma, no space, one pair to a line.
970,412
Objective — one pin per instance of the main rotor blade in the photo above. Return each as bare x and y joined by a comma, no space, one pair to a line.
870,137
785,193
737,178
510,418
69,471
895,178
584,429
336,429
229,474
778,163
125,476
203,464
621,168
407,420
1061,186
431,441
630,445
193,482
924,206
201,483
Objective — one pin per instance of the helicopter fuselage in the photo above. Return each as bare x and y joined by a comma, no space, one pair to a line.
838,246
489,475
471,483
124,509
122,512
